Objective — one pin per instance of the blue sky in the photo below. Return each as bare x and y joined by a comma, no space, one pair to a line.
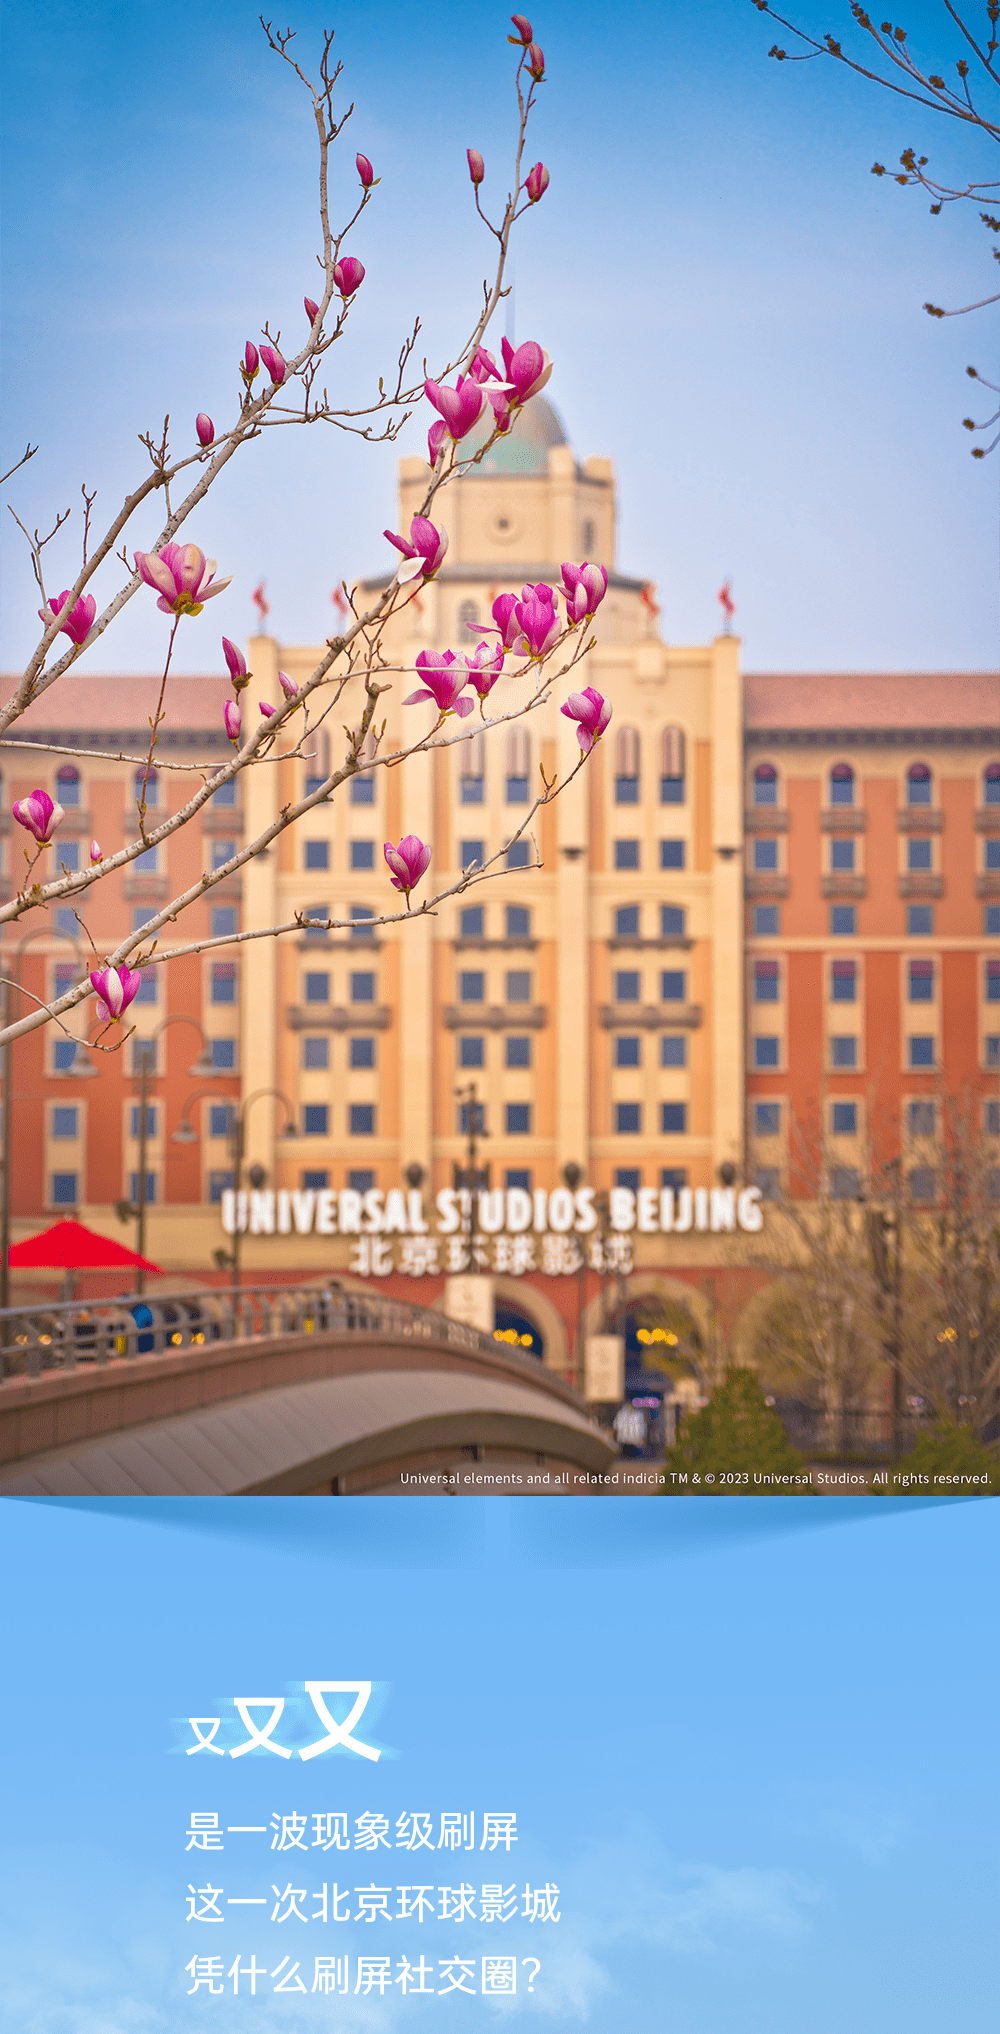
744,1740
731,299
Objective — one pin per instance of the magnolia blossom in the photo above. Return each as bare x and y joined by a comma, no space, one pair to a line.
445,679
312,309
115,989
250,365
460,407
79,619
592,714
477,167
205,428
536,183
435,439
236,661
407,863
233,720
586,586
40,814
348,275
537,621
536,62
527,369
182,575
267,711
484,666
365,171
275,365
524,30
290,691
426,546
95,851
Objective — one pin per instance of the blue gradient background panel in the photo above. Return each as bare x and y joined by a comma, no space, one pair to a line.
745,1741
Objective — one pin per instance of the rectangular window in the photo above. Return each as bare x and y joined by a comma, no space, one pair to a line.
921,1051
66,920
317,854
765,856
517,790
843,1052
361,1052
841,854
222,1053
314,784
64,1189
363,790
766,1119
991,921
923,1183
472,1052
518,985
225,795
470,851
220,1119
918,854
765,981
315,1117
628,1051
626,790
992,1050
68,852
518,1119
133,1188
628,1119
361,1119
362,854
64,1122
766,921
471,790
518,1051
672,921
362,988
766,1052
147,863
135,1114
315,1053
673,1049
519,854
920,921
518,922
470,922
318,1181
317,988
141,915
361,916
517,1177
767,1179
673,1118
219,1183
149,986
991,1119
672,854
843,921
361,1182
844,1119
223,921
63,1054
626,854
221,851
993,981
315,916
223,982
472,1115
471,986
628,1176
673,986
921,981
920,1119
673,1176
627,922
993,854
844,1183
843,982
627,985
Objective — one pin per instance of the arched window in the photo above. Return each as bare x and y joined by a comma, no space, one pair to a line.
518,765
765,784
842,784
627,766
468,617
68,785
918,784
672,752
472,770
627,921
991,784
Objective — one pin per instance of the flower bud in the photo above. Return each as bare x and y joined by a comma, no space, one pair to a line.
365,171
524,29
95,851
267,711
251,361
348,275
205,428
235,660
275,365
536,183
477,167
233,721
312,310
290,691
536,62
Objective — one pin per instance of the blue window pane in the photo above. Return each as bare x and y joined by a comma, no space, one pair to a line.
318,1181
64,1122
672,854
843,1052
673,1118
844,1119
673,1176
993,1051
517,790
767,1119
991,1119
518,1119
673,1050
315,1052
626,854
362,988
225,795
68,852
518,922
361,1119
224,982
220,1118
627,985
628,1176
672,921
133,1188
471,790
921,1051
362,854
843,982
64,1189
991,921
141,915
361,1180
519,855
149,985
991,784
317,988
920,1119
68,786
472,1052
363,790
515,1176
627,922
470,922
765,855
66,920
628,1052
842,785
470,851
518,985
671,790
766,921
222,851
921,982
219,1183
993,854
766,1051
673,986
63,1054
314,784
843,921
223,921
765,982
765,784
471,986
628,1119
362,1052
146,863
135,1123
360,927
918,854
993,981
918,785
767,1179
920,921
315,1116
317,854
144,1054
472,1115
844,1183
223,1054
923,1183
626,790
518,1052
841,854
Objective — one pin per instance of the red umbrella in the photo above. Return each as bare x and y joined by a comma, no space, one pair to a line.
69,1246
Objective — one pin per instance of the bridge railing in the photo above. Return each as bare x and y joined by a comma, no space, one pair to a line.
69,1334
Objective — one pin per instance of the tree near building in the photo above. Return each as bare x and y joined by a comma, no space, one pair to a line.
736,1434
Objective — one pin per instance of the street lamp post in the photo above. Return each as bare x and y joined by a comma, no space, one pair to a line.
186,1134
472,1176
40,932
572,1175
201,1067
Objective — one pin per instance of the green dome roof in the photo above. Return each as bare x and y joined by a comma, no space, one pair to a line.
525,449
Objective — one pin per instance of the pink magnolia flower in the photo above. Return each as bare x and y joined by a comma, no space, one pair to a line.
235,660
445,679
477,167
586,586
435,439
275,365
348,275
312,309
115,989
485,666
79,619
290,691
527,370
407,863
182,576
425,543
267,711
536,183
461,407
506,620
250,366
537,621
205,428
365,171
40,814
591,712
233,721
536,62
524,30
95,851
